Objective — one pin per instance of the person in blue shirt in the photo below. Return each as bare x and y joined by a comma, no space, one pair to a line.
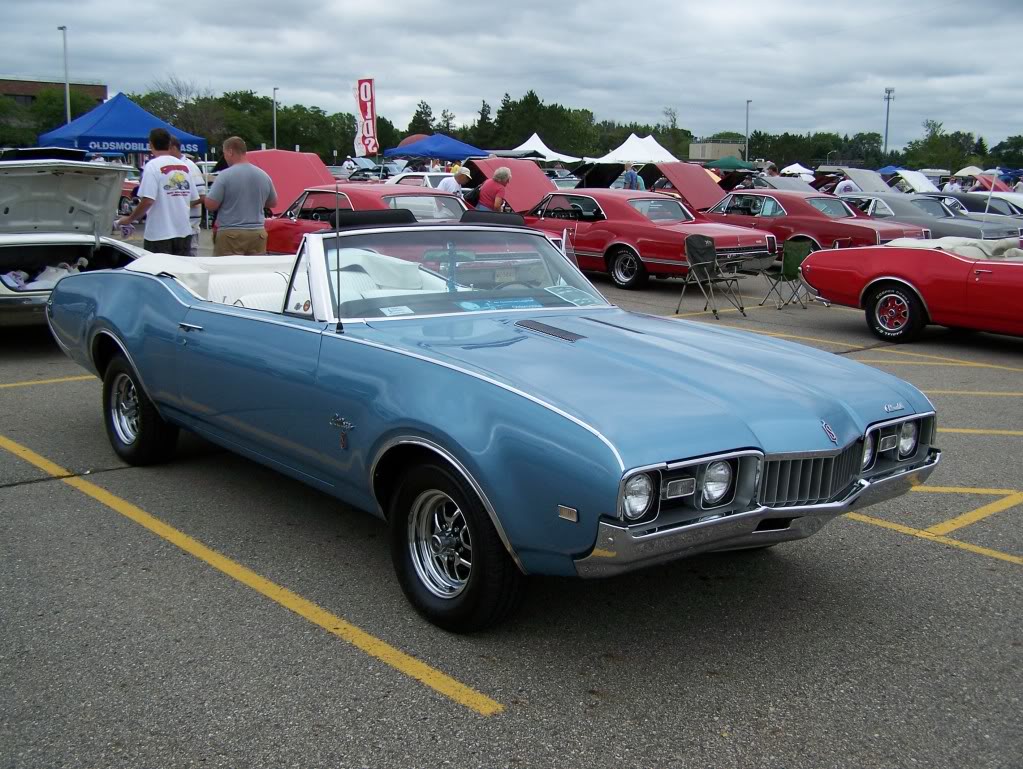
631,178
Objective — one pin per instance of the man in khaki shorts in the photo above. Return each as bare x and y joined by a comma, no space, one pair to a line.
238,195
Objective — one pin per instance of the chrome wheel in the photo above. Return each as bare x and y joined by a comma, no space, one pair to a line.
626,267
891,312
124,408
440,544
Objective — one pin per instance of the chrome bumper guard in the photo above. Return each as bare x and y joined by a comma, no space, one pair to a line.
618,550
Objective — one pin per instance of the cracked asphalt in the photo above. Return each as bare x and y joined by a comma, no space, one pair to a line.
864,646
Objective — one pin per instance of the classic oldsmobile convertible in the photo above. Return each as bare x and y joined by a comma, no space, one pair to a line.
465,383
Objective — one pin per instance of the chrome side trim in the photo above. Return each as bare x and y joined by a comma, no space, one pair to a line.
215,309
482,377
451,460
904,282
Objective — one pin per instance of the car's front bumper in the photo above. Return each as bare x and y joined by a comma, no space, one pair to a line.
23,309
618,550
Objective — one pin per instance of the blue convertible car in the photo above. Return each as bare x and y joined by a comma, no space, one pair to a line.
468,385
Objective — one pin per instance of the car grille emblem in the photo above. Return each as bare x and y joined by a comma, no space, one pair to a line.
890,407
829,432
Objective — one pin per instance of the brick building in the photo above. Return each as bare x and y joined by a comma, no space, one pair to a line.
24,91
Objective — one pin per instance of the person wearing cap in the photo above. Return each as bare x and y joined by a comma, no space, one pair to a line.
454,183
631,178
348,166
770,169
846,185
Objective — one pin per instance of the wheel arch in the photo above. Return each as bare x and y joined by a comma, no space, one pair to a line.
885,279
405,451
802,236
105,345
619,244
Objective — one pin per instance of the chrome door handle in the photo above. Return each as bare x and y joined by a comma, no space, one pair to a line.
189,327
982,272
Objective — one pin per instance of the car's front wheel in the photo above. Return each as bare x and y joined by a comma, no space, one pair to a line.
627,271
450,561
137,432
895,313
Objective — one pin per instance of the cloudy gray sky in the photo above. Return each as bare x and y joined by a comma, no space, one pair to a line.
806,64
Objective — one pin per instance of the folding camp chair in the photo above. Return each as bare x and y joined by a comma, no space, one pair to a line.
705,271
786,275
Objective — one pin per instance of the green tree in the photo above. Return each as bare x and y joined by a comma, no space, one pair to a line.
387,133
1009,153
16,126
481,133
422,120
446,124
47,111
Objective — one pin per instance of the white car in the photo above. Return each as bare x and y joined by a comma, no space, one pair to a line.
420,178
54,219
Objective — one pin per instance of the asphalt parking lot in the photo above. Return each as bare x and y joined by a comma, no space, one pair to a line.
211,612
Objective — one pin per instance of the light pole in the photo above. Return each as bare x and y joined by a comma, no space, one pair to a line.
67,82
276,89
827,158
889,97
748,102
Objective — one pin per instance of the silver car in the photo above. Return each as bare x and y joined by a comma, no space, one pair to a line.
929,212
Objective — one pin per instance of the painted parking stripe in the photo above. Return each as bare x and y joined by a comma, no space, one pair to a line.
56,380
374,647
975,393
972,517
978,431
997,554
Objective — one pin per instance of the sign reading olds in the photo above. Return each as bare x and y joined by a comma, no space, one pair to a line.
366,119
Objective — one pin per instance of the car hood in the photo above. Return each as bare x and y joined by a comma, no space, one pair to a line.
528,184
660,389
291,173
693,184
59,196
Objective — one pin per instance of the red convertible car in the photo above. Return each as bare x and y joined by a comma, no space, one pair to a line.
952,282
312,209
823,220
632,235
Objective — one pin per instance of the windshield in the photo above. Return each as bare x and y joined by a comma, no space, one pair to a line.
428,208
661,210
833,208
931,207
433,271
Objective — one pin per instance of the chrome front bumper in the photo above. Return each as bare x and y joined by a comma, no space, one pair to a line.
618,550
23,309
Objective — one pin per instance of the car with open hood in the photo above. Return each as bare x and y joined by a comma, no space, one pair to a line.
504,422
315,209
929,212
55,219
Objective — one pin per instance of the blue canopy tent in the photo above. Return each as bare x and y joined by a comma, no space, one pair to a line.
437,146
889,170
118,125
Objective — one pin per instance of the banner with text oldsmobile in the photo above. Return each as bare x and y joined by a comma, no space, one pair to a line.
366,119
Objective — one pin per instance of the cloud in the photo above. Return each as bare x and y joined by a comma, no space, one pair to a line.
806,65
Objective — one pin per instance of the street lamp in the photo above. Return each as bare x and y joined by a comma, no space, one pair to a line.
889,97
67,83
827,158
276,89
748,102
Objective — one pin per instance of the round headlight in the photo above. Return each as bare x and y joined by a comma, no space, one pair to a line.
717,480
639,493
908,436
869,444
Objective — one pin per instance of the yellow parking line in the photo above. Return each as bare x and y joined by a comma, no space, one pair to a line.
936,538
946,359
966,519
57,380
374,647
966,490
973,431
720,310
912,362
979,393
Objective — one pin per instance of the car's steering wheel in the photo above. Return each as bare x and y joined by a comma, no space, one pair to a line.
320,214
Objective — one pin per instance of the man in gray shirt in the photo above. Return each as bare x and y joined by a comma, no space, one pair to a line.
238,195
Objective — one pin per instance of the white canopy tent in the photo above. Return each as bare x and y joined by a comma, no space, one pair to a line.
796,170
636,150
535,144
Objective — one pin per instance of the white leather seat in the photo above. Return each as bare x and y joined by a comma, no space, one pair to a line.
271,302
230,287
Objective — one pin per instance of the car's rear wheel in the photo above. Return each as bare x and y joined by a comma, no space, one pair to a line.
450,561
137,432
626,269
895,313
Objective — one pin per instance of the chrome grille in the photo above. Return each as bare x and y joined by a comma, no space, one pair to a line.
809,481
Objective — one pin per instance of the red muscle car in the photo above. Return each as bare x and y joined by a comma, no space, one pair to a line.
903,289
823,220
311,210
632,235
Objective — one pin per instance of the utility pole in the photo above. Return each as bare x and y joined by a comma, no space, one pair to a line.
748,102
276,89
67,82
889,97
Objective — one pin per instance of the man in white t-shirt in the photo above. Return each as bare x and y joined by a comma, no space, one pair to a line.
167,194
952,185
199,182
846,185
453,184
349,166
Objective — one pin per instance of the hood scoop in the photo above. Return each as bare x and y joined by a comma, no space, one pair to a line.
543,328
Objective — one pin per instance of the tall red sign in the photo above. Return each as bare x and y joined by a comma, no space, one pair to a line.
366,119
